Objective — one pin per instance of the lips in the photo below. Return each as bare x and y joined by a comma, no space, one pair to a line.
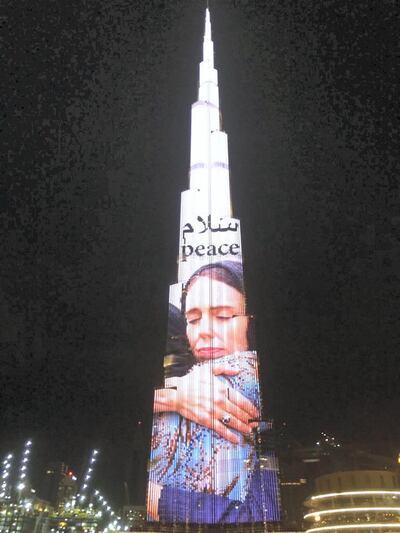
210,353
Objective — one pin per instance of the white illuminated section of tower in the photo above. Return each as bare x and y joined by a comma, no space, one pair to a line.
208,197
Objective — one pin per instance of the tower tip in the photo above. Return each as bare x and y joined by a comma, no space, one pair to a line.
207,32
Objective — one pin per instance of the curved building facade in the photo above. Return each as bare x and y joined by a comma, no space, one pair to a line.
358,500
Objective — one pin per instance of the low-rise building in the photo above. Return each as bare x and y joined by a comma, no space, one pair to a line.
358,500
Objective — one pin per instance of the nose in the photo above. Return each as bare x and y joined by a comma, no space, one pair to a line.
206,329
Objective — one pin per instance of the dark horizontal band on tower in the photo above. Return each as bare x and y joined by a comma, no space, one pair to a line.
217,164
203,102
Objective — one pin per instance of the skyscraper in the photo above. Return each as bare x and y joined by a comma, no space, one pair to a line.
59,484
205,465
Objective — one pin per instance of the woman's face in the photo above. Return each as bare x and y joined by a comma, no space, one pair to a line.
216,323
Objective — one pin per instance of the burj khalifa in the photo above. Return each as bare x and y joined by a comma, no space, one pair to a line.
205,466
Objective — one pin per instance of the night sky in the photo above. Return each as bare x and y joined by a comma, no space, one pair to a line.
95,153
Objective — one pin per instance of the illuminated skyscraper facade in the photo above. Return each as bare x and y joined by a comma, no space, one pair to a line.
205,466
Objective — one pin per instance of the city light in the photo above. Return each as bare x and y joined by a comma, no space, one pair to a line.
23,467
82,495
327,440
366,527
356,493
20,504
352,510
5,474
115,523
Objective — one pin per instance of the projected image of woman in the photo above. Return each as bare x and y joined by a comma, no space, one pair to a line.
204,467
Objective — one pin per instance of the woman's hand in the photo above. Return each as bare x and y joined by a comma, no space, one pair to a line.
201,397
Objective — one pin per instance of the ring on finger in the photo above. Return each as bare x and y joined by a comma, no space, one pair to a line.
226,419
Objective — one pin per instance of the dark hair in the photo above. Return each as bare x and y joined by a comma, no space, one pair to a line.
178,356
229,272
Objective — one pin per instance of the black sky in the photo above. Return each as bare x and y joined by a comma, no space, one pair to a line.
95,153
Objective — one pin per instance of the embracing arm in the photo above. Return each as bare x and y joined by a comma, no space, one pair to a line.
165,400
203,398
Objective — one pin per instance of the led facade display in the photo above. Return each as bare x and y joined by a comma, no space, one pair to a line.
204,465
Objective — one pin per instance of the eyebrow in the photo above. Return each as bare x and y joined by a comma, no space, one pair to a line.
213,308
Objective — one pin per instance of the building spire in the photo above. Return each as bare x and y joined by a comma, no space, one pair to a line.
208,46
208,75
207,31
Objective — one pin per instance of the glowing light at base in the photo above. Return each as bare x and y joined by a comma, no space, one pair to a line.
23,467
352,510
387,526
377,510
356,493
87,477
5,476
115,523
